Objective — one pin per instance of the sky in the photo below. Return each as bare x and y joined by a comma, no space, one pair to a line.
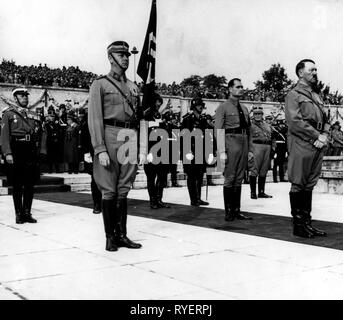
231,38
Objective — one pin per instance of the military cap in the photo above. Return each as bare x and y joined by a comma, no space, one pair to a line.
71,115
257,108
20,90
119,46
62,106
82,111
196,102
269,118
337,123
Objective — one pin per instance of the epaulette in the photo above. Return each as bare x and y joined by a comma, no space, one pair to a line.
6,109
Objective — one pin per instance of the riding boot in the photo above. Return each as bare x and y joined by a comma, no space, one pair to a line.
108,214
237,191
120,226
300,228
18,207
253,187
261,185
228,201
159,201
198,185
191,186
307,208
96,196
27,204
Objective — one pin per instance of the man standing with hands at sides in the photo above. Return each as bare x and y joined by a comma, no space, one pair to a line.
114,121
234,120
308,131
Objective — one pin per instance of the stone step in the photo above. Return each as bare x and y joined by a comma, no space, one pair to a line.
42,189
44,180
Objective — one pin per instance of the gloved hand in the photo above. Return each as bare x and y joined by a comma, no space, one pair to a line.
9,159
223,156
318,144
150,157
189,156
142,158
323,139
104,159
88,158
210,158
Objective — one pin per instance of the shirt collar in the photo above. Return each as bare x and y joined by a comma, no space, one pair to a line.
304,86
117,76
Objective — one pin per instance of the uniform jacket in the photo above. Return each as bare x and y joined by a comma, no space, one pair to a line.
106,102
72,144
305,115
227,117
19,122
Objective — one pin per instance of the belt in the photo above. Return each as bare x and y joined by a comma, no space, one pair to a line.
26,138
262,142
122,124
236,131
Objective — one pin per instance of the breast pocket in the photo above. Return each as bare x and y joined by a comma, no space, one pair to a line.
232,119
112,97
306,107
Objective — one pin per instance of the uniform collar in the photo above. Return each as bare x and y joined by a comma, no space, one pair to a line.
234,101
304,86
117,76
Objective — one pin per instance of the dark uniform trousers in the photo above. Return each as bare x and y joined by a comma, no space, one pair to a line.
23,174
279,161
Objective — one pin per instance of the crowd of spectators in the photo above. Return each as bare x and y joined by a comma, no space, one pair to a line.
73,77
42,75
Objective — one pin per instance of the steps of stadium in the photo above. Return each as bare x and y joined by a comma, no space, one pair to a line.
47,184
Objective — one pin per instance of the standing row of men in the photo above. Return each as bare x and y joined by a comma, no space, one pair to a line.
116,126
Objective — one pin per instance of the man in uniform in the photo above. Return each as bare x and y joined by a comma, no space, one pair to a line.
280,136
195,170
22,142
234,119
337,139
112,118
262,145
308,131
156,173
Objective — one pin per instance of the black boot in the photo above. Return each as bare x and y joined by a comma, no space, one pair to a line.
18,207
307,208
159,201
201,202
192,190
27,204
261,185
97,208
253,187
120,226
153,203
108,214
228,201
300,228
237,191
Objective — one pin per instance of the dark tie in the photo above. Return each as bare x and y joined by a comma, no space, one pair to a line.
243,122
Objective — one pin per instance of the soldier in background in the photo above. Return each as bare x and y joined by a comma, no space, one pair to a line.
193,121
23,141
308,131
53,141
337,139
261,135
87,153
156,172
72,144
279,134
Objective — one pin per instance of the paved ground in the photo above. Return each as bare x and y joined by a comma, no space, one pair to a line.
63,256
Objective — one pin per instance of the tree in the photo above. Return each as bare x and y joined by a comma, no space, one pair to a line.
274,79
193,81
214,81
